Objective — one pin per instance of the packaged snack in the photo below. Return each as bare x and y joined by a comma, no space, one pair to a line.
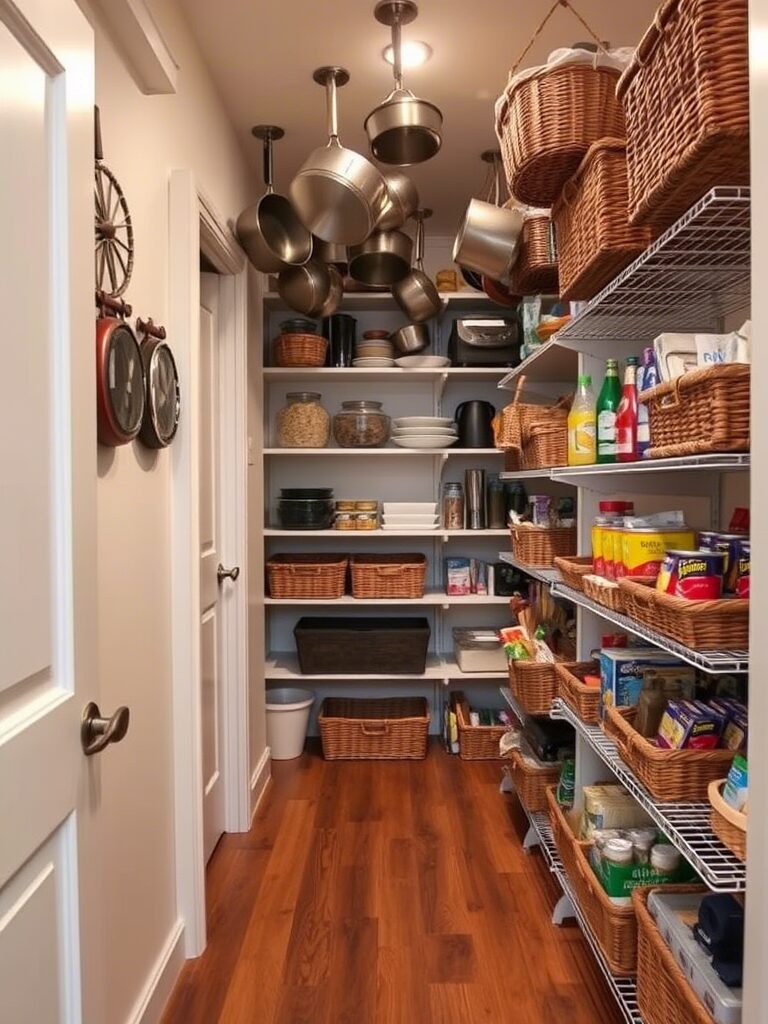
621,673
731,546
694,575
515,640
610,806
541,506
689,725
735,788
566,783
743,566
478,576
457,577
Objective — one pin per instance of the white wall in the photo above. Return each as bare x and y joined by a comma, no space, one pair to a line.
145,137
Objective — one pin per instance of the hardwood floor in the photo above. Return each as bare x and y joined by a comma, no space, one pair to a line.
386,893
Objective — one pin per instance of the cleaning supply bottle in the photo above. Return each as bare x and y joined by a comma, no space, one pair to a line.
581,425
647,378
626,417
607,407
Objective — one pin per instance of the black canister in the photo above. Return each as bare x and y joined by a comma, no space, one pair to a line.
340,330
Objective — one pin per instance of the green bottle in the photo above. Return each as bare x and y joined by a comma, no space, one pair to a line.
607,407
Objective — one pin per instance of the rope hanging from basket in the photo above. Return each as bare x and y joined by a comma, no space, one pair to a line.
540,29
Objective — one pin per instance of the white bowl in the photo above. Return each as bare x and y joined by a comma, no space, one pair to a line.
414,362
425,441
411,520
414,508
423,421
421,431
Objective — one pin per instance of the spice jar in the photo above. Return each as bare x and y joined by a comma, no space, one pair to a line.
303,422
453,506
361,424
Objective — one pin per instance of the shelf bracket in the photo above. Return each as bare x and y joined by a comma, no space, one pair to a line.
563,910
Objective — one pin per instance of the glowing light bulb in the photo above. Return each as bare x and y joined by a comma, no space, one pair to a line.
413,53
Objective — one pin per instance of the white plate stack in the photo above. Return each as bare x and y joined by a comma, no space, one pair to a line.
409,515
373,353
424,432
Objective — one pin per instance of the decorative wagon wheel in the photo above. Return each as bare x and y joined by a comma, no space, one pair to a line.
114,231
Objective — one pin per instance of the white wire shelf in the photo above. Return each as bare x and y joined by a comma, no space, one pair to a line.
686,824
719,463
511,700
285,665
709,661
540,573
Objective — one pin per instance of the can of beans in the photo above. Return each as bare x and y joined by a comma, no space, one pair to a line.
694,575
730,545
743,566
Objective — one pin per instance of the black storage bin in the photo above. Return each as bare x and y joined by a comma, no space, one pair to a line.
365,646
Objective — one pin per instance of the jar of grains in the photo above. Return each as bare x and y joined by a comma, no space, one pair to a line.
303,422
361,425
453,506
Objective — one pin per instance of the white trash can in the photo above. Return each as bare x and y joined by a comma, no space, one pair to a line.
287,720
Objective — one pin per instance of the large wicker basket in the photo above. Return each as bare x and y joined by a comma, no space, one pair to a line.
536,269
563,831
607,594
394,728
702,625
299,350
534,685
595,240
545,444
541,545
666,774
531,782
583,699
513,424
547,122
703,411
573,570
686,99
377,576
663,992
728,824
477,742
307,576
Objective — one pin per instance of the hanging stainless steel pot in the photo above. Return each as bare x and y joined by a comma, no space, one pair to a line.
335,293
382,259
338,194
489,235
309,288
270,231
402,201
332,253
416,294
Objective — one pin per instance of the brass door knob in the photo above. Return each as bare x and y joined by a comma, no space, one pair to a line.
97,732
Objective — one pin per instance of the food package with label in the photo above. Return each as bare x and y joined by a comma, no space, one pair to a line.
479,650
610,806
457,577
621,674
736,785
624,859
689,725
643,547
736,718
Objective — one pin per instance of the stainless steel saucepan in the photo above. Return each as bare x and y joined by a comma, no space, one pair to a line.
382,259
331,253
313,289
411,339
338,194
402,200
489,235
270,231
416,294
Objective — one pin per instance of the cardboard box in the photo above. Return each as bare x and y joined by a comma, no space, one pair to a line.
621,673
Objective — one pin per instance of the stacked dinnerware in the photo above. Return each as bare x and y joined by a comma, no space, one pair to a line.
410,516
374,350
424,432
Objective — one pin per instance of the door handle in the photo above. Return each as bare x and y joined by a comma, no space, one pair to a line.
97,732
227,574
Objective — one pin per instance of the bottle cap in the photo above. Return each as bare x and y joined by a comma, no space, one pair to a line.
632,361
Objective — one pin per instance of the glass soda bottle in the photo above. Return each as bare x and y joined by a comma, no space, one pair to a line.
626,417
607,407
581,425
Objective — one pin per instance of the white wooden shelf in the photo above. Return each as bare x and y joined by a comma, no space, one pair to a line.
443,453
343,535
388,374
432,597
284,665
381,302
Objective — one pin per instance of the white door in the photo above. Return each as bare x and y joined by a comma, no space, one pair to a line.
49,791
212,637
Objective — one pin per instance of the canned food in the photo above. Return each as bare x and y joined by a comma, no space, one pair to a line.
642,551
743,566
611,545
366,521
366,506
345,506
344,521
694,575
707,540
598,528
730,545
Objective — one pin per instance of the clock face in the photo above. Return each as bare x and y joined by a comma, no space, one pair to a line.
125,380
163,393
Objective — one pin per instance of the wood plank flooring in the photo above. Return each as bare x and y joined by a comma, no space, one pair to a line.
386,893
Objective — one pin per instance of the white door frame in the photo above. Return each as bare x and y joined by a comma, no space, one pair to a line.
194,228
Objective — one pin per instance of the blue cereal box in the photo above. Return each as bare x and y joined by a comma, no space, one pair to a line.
621,673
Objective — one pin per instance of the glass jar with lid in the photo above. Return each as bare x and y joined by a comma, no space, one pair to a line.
303,422
361,424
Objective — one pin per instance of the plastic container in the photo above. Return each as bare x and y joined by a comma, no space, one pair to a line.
582,441
361,424
303,422
287,720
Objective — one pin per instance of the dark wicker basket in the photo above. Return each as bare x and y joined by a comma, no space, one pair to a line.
391,729
362,646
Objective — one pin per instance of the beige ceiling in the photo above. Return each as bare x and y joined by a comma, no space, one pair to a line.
262,53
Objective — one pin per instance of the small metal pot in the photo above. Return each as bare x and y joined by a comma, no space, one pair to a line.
307,289
402,201
488,239
333,254
411,338
335,293
382,259
416,294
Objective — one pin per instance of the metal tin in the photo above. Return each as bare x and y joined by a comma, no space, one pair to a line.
730,545
642,551
366,520
743,567
345,506
707,540
694,575
366,506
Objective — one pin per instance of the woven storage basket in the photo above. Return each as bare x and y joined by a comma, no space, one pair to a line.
703,411
299,350
686,100
531,782
666,774
703,625
477,742
595,240
307,576
562,832
728,824
546,123
536,269
574,569
541,545
584,700
375,576
610,597
663,993
394,728
515,419
545,444
534,684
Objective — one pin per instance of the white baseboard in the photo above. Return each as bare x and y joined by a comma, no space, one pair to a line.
151,1003
260,779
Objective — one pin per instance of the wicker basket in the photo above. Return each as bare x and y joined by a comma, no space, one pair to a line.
610,597
666,774
663,993
728,824
703,411
702,625
376,576
531,782
541,545
307,576
584,700
536,270
545,444
477,742
573,570
534,684
563,832
595,241
299,350
686,99
513,424
394,728
546,123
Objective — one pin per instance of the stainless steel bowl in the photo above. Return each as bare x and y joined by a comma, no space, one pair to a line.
411,339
